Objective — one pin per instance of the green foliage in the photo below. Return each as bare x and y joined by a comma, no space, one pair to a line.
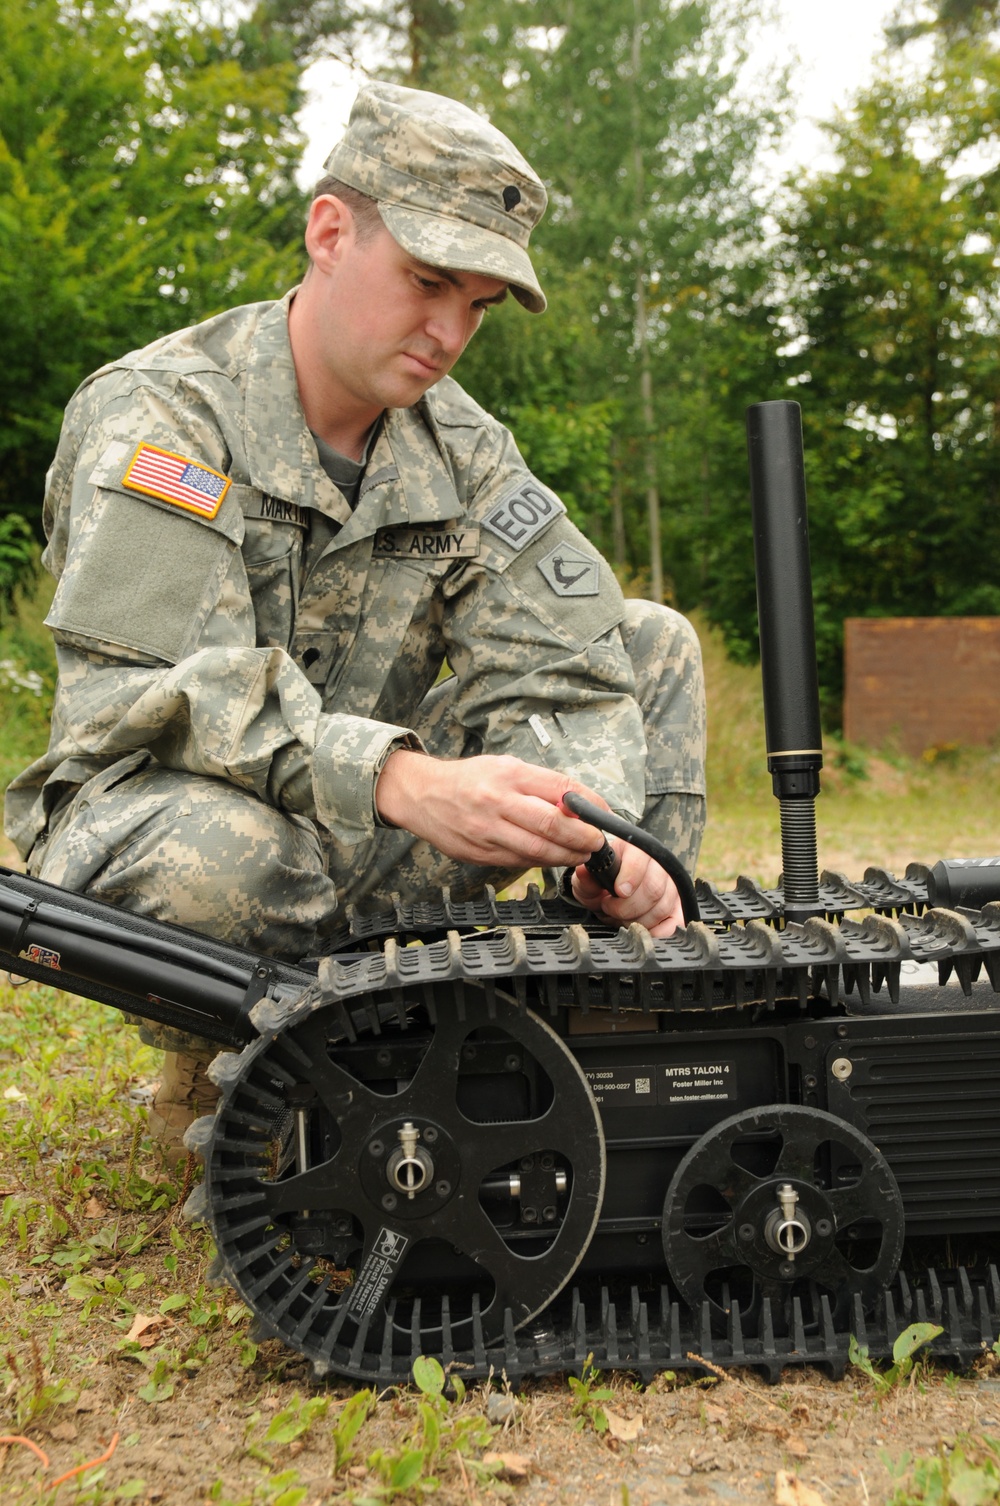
588,1397
352,1417
18,558
281,1489
145,182
967,1474
908,1344
892,313
295,1419
441,1432
27,677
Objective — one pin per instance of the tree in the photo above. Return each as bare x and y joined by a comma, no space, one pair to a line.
145,182
894,257
631,112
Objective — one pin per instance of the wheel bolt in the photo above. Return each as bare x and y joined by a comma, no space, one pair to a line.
389,1202
747,1232
430,1135
443,1189
376,1148
824,1226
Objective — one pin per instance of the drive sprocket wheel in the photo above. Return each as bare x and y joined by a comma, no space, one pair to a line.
779,1202
420,1188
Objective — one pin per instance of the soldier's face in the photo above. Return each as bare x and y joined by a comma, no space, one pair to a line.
394,325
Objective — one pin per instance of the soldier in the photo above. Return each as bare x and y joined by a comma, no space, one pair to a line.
270,532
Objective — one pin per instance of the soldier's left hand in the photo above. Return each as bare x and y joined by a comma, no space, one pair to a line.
643,892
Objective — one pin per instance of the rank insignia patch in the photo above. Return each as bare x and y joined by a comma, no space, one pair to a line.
174,478
570,572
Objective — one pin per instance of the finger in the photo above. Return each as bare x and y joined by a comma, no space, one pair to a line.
644,892
556,827
511,845
552,784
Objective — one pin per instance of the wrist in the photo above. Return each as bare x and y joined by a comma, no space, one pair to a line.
394,786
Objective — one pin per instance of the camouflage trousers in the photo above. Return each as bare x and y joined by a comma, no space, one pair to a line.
199,852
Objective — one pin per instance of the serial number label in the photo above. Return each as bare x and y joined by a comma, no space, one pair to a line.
666,1085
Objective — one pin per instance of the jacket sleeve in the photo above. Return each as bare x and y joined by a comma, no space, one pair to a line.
156,637
533,634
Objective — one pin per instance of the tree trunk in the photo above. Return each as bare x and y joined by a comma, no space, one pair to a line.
641,328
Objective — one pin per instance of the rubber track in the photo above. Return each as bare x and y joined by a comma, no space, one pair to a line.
698,967
649,1333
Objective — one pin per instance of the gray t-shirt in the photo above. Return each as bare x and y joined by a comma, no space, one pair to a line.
345,473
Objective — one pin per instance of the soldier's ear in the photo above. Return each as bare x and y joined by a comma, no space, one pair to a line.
329,228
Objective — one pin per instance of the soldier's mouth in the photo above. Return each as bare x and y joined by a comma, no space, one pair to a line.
428,368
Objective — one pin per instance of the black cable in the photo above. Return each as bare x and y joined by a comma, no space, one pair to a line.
619,827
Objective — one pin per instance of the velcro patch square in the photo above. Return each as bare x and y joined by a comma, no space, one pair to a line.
176,479
570,572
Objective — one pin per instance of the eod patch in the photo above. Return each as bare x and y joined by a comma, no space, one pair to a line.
523,513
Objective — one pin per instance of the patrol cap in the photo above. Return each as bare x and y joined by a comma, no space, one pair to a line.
451,189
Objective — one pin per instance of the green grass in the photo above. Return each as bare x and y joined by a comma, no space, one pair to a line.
27,680
875,808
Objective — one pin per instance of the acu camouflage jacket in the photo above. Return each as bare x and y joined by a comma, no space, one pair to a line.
228,646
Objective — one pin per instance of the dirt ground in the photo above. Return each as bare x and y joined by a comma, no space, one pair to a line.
191,1416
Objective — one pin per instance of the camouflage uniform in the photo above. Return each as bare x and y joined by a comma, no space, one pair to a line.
234,671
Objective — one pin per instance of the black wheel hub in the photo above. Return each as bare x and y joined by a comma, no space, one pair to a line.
415,1186
774,1200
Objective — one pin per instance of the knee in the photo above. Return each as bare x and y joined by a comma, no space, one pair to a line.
197,852
652,632
665,653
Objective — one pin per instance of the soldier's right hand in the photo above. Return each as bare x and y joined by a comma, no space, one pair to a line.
490,810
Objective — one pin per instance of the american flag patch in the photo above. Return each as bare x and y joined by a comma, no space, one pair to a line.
42,955
174,478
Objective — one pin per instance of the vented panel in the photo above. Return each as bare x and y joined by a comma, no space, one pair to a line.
933,1109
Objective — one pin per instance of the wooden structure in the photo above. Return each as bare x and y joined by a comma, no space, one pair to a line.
921,682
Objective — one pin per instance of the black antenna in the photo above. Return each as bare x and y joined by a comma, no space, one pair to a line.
787,641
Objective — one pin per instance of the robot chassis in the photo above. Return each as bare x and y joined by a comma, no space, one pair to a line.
531,1138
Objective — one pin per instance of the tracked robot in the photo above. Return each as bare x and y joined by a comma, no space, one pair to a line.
502,1133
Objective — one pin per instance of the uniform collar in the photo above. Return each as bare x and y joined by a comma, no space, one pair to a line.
281,456
406,481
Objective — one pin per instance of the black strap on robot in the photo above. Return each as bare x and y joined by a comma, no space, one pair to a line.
604,864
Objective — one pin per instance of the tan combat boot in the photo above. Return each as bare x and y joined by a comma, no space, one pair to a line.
184,1094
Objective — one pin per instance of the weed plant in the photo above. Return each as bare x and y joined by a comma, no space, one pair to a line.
965,1474
904,1357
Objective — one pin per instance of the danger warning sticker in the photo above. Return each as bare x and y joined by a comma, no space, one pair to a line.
377,1272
